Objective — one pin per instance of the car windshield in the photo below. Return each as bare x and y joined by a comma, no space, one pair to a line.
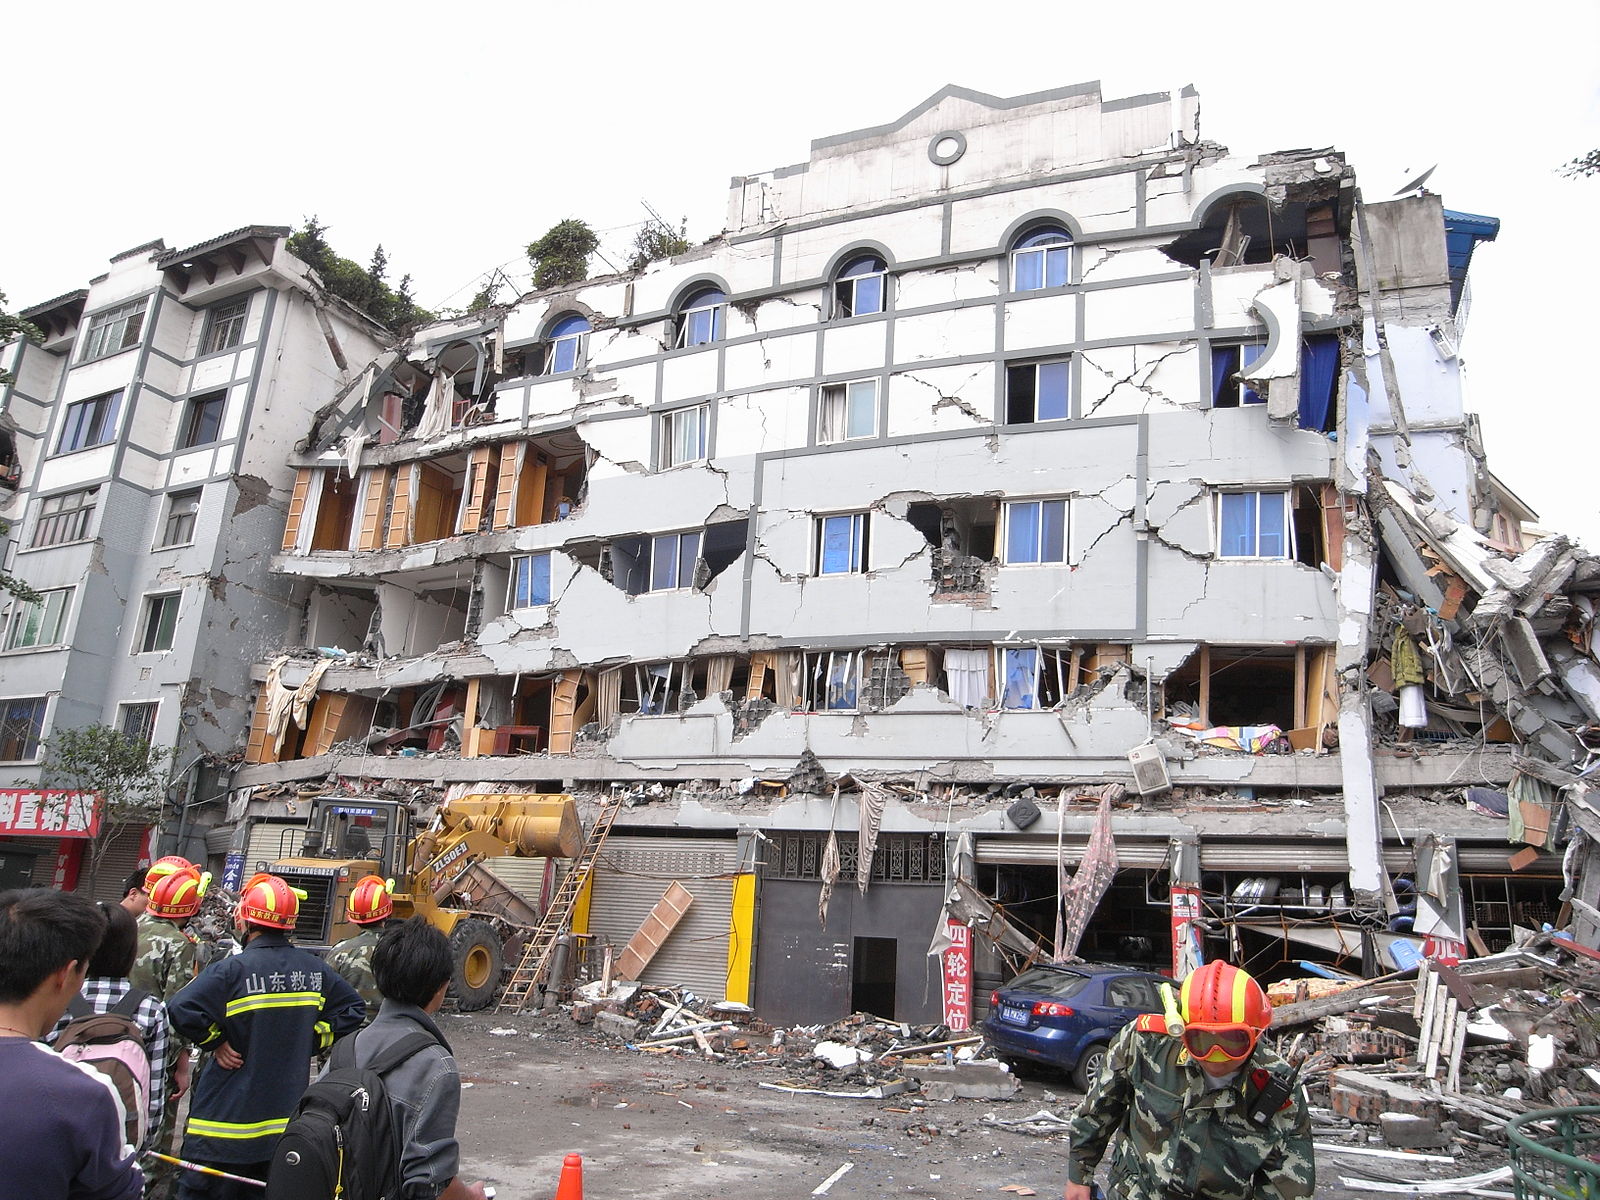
1046,981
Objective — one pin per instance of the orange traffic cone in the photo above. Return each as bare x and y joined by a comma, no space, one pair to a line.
570,1185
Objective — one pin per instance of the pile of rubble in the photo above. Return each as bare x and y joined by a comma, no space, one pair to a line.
860,1056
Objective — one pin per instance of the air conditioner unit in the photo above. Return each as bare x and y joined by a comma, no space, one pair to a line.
1149,770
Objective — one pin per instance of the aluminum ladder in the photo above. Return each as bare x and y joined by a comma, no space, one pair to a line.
540,949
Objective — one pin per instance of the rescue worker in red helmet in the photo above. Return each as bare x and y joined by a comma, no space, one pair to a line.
369,906
263,1013
1208,1112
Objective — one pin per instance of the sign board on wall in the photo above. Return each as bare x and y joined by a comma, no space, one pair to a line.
957,963
33,813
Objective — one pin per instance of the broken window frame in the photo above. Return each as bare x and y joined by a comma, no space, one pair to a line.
523,588
1228,359
64,517
1059,373
37,624
702,318
1040,534
89,422
202,422
833,680
1041,260
861,288
1254,533
114,330
849,558
158,631
183,513
566,346
658,688
685,555
1051,675
840,409
137,721
685,436
224,327
21,727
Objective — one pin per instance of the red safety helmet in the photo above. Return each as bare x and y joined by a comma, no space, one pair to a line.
1224,1012
166,866
369,900
178,894
268,901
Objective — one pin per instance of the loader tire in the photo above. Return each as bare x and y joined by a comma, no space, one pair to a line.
476,959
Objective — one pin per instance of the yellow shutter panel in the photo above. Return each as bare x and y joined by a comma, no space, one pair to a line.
297,507
511,455
477,487
372,508
399,533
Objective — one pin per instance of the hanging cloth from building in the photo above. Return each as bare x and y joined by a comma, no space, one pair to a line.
1081,895
829,871
1404,659
719,673
874,798
306,694
966,676
788,678
1319,363
439,409
279,700
1440,910
1528,805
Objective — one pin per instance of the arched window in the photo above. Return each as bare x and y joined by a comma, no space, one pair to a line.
564,351
1040,260
859,288
702,317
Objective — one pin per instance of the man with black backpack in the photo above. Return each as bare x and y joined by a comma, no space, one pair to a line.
338,1142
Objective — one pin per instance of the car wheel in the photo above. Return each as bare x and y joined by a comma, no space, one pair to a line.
1088,1068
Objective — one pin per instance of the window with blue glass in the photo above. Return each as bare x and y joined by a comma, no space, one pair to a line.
565,349
702,318
1227,389
832,680
1019,678
1254,525
1041,260
530,581
672,560
89,423
1037,392
859,289
847,411
685,435
842,544
1036,531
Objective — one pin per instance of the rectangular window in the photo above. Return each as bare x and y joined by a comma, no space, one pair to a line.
563,354
21,723
138,722
1040,267
1253,525
672,560
684,435
65,517
114,330
530,581
38,622
858,295
160,623
203,422
225,326
701,326
833,680
842,544
1227,391
89,423
178,528
1038,677
1037,392
1019,678
848,411
1036,531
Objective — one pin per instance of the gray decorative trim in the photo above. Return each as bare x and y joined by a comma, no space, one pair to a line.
1026,224
949,157
1000,103
1221,194
856,249
254,383
684,290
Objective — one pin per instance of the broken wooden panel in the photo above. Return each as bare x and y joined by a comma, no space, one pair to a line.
760,663
528,506
481,477
433,507
400,526
563,711
654,930
373,508
914,662
337,717
336,504
511,456
297,507
259,747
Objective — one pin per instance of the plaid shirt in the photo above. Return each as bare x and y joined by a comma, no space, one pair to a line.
151,1018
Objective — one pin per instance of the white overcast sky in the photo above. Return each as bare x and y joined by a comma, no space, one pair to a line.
455,134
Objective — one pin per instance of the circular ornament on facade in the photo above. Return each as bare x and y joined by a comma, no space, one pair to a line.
947,147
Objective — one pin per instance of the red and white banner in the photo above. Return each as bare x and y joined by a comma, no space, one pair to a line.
31,813
957,963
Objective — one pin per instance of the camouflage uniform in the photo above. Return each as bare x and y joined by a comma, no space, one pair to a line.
1183,1139
352,958
165,962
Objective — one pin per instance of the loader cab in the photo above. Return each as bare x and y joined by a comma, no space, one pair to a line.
350,829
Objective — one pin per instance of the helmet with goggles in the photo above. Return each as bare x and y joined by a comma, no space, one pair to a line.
1224,1012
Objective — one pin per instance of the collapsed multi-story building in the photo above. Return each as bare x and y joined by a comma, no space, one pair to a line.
982,450
143,444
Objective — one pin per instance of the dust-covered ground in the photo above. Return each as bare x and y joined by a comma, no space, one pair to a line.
652,1125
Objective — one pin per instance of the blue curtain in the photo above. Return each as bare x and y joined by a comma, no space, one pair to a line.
1224,362
1319,363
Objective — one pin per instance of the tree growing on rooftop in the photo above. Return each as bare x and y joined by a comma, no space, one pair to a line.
657,240
561,256
1584,164
363,287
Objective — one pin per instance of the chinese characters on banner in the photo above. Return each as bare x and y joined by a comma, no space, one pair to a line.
957,961
50,814
1443,949
1185,937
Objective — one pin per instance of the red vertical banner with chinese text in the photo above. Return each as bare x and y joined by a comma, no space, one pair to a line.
957,963
1186,955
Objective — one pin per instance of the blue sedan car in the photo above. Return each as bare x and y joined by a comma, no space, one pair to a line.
1067,1015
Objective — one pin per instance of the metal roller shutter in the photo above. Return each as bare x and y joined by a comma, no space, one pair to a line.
218,839
631,876
123,854
1318,856
1035,853
271,838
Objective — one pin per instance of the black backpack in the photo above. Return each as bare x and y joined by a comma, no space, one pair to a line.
341,1141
